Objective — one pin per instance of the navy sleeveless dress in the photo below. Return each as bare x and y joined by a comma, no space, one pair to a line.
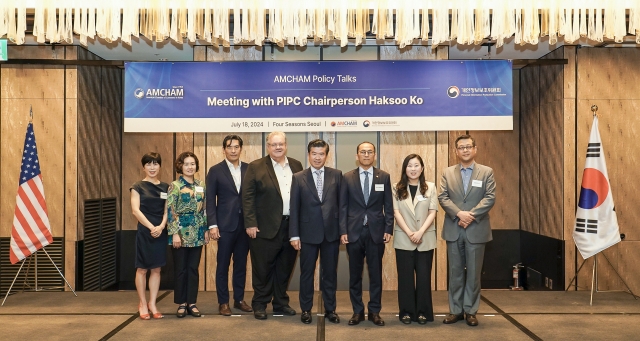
151,252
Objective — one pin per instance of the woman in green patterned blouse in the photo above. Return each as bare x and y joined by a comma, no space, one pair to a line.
188,231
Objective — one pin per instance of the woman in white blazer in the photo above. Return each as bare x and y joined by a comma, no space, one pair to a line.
415,203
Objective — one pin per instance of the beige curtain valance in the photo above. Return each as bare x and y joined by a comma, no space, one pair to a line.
298,21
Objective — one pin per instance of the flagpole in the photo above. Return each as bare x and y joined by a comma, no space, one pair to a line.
14,280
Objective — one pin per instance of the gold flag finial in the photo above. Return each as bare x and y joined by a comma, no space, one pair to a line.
594,109
30,114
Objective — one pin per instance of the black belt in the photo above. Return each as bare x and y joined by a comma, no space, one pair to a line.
285,217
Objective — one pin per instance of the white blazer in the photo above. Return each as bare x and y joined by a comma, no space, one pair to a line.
415,213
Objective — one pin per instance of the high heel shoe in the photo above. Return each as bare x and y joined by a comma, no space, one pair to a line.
143,316
155,315
192,312
182,314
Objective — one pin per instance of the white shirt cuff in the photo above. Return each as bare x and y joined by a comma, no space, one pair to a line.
294,238
213,227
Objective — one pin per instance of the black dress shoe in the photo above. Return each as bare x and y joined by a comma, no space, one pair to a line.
376,319
472,320
406,319
194,311
182,311
286,310
422,319
332,316
305,317
356,318
259,313
453,318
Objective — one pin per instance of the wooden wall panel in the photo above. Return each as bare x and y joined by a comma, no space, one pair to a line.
89,150
71,180
394,147
234,53
606,73
413,52
569,191
111,158
529,151
551,158
629,252
569,72
35,52
440,262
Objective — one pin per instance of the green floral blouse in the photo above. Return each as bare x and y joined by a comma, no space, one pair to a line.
186,206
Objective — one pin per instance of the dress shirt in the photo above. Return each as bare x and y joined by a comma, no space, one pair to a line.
465,173
284,175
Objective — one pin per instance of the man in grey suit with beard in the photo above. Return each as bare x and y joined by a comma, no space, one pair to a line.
467,194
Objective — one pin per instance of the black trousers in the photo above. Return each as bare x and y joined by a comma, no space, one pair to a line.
186,261
357,251
272,262
236,244
328,273
414,283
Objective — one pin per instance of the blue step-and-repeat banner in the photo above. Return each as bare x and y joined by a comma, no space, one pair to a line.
318,96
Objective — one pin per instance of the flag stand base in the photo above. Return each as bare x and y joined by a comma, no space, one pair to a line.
594,278
36,275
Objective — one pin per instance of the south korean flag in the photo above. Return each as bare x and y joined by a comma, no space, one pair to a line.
596,226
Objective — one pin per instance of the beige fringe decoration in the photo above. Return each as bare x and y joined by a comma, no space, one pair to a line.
296,22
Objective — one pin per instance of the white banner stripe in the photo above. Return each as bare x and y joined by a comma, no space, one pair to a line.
36,204
38,181
23,235
15,249
32,225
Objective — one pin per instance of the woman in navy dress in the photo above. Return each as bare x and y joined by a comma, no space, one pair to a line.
149,206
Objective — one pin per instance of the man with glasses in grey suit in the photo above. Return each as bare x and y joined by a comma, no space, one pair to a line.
467,194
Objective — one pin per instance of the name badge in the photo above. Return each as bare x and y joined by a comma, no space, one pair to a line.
199,189
379,187
476,183
421,197
163,195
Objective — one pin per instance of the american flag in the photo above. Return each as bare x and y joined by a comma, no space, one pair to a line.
31,230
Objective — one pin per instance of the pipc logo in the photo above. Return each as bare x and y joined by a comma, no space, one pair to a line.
453,91
138,93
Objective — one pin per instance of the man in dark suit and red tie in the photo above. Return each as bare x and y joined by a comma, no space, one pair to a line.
366,213
226,224
314,228
266,194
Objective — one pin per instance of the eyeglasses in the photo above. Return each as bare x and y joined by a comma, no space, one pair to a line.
233,147
463,148
277,145
366,152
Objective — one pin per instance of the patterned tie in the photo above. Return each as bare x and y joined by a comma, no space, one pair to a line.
366,187
319,183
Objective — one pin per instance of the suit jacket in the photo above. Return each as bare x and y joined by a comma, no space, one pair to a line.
220,185
478,199
415,212
312,218
261,198
379,209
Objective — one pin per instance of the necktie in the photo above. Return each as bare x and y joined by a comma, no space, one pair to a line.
365,188
319,183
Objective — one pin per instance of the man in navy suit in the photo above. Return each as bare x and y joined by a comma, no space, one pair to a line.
366,214
226,223
313,228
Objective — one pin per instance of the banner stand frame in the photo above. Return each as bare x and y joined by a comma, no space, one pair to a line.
36,276
594,278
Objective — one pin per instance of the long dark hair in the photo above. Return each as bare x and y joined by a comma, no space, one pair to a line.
401,186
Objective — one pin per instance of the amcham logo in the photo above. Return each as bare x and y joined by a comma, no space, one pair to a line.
453,91
138,93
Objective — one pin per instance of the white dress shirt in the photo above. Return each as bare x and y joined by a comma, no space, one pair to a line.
284,175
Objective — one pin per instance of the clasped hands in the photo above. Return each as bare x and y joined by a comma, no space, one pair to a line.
465,218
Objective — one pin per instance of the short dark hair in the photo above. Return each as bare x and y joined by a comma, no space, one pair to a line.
465,137
180,161
151,157
229,138
361,143
318,143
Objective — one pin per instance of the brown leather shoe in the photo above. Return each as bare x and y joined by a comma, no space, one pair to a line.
472,320
376,319
453,318
224,309
242,305
356,318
